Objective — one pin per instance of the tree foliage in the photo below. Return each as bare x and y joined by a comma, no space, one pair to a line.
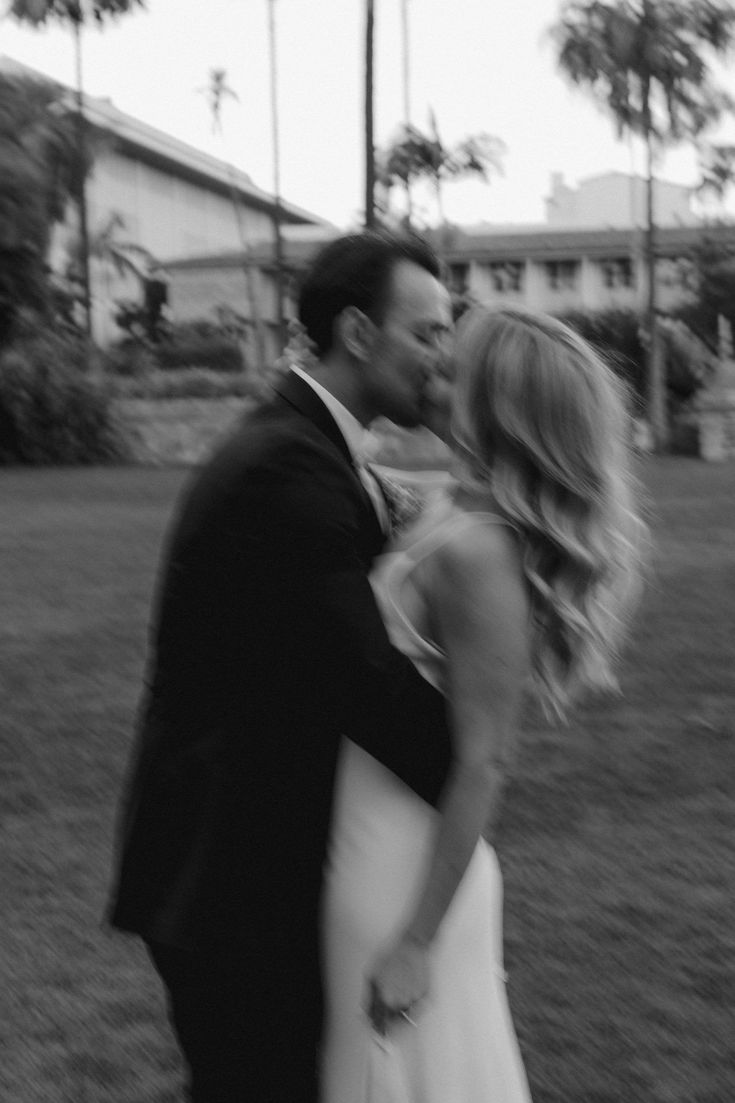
619,336
648,62
717,168
75,13
50,411
415,155
71,11
709,274
40,171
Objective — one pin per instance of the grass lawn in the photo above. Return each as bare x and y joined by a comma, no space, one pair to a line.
617,841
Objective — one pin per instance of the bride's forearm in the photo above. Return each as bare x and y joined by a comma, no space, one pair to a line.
480,613
471,796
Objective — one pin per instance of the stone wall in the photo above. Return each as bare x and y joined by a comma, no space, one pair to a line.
182,431
176,431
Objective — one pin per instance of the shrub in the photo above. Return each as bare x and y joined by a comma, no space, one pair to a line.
617,335
689,363
709,271
129,358
199,345
51,410
185,383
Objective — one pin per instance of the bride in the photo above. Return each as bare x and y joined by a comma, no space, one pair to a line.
518,578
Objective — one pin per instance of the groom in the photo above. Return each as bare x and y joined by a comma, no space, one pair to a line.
267,646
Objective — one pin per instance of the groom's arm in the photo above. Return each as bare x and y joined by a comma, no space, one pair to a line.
323,595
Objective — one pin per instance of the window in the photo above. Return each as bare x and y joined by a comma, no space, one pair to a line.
561,275
617,272
506,275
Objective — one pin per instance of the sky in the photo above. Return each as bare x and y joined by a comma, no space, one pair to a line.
479,65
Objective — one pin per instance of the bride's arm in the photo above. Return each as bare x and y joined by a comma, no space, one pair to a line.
479,608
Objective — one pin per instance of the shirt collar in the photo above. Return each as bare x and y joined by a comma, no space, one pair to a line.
352,430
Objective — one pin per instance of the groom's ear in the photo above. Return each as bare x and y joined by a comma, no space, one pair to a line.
356,332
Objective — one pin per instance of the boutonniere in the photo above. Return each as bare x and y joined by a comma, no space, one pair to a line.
404,503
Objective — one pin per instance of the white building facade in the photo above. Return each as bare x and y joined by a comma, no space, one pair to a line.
151,198
558,270
616,200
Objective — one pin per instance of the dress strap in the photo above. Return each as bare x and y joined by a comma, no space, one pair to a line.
440,533
405,561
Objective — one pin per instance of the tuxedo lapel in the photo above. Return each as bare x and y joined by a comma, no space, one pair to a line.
304,398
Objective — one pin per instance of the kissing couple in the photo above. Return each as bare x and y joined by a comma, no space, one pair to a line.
331,707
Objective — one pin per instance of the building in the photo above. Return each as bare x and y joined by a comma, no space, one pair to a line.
615,200
559,269
589,254
541,267
151,197
231,280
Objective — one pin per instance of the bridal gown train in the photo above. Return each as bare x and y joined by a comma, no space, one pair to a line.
463,1047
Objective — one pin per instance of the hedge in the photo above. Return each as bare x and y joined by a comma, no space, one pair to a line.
52,410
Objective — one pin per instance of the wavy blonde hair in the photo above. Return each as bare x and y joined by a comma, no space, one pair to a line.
542,422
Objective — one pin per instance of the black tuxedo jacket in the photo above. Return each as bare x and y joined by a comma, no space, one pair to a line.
266,646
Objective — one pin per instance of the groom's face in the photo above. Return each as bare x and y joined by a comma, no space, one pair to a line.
409,345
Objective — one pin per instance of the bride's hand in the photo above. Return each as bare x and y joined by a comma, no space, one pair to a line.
398,981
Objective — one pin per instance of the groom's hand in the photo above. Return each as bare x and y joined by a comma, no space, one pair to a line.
397,983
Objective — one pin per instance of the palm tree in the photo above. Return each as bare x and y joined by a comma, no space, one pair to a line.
217,91
717,168
413,155
278,217
370,218
406,62
76,13
646,62
119,254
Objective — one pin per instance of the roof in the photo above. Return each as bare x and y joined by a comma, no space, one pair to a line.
297,254
551,243
461,246
162,151
659,182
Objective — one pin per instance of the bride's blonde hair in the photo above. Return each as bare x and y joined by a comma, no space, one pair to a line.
542,422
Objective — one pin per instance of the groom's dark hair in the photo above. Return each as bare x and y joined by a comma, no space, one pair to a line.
355,270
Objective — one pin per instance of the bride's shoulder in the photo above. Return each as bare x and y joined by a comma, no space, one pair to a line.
477,549
477,542
477,579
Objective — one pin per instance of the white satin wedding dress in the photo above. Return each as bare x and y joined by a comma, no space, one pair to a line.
463,1047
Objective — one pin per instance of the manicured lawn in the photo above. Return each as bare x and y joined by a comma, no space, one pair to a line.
617,841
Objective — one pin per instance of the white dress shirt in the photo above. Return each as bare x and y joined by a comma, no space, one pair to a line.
358,440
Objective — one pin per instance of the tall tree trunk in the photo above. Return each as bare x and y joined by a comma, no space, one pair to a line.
252,303
252,293
655,384
277,213
82,190
407,100
655,387
369,116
